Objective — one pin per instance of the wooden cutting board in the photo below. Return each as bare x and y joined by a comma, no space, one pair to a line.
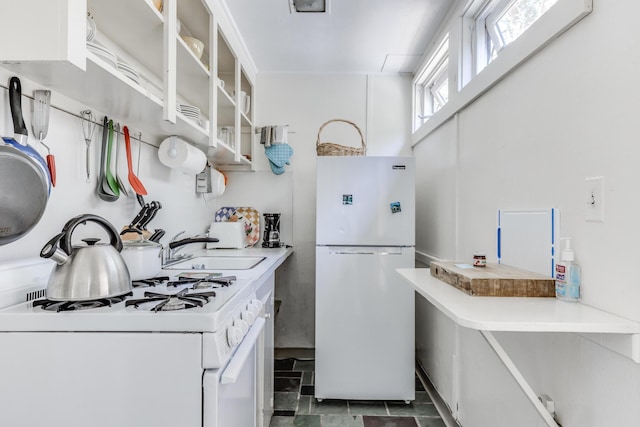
494,280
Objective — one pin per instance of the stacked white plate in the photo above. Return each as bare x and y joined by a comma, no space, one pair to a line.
103,53
91,27
191,112
127,70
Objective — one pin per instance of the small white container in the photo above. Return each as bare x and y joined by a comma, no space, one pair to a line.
231,235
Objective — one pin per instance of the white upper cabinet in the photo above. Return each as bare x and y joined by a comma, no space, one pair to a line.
30,34
155,65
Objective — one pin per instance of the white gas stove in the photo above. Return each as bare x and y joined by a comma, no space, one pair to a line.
169,305
160,356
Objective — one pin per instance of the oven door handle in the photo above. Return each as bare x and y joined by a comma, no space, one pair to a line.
234,368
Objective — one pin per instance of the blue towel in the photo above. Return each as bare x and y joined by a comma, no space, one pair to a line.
276,169
278,156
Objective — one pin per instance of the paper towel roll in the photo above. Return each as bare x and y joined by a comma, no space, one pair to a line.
177,153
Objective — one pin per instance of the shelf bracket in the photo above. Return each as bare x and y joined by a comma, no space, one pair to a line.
515,373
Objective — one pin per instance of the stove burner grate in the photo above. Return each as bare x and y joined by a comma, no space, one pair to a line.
181,300
145,283
205,282
59,306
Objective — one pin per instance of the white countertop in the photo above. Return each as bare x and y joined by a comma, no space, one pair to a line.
274,258
513,313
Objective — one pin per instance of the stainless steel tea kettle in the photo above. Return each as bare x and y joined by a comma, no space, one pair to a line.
86,272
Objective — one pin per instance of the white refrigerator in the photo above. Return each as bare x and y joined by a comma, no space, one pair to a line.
365,230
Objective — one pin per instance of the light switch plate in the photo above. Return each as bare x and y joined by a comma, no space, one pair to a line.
594,199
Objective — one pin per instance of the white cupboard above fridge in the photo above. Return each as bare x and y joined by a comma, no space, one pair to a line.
141,66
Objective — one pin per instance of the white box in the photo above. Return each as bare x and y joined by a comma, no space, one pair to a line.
230,234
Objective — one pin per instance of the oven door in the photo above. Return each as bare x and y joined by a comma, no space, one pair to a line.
230,393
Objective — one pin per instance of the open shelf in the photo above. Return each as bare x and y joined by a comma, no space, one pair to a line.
527,314
226,63
139,31
247,87
106,89
193,78
194,18
226,108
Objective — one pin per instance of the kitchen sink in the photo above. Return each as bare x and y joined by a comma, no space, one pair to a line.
216,263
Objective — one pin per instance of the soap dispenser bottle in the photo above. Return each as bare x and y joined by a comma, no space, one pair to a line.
567,275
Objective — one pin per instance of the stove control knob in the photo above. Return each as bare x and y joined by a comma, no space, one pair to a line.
248,316
234,336
242,325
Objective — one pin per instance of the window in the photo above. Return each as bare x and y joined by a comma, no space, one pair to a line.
431,87
502,21
508,23
483,41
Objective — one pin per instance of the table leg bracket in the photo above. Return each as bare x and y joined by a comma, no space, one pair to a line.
515,373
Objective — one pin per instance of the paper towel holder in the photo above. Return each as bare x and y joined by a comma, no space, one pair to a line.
175,152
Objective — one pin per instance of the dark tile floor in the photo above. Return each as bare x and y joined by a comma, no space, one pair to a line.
294,404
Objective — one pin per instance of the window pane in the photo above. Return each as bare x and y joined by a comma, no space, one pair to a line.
437,104
492,51
519,16
431,89
443,90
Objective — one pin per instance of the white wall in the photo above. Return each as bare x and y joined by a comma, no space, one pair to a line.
568,113
378,105
181,209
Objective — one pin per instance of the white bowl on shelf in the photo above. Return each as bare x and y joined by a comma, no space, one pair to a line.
196,46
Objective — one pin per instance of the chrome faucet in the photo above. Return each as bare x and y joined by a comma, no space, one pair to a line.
169,253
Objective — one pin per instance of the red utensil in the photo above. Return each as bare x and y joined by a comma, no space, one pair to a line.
136,184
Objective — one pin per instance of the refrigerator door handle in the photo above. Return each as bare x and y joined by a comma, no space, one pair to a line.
366,250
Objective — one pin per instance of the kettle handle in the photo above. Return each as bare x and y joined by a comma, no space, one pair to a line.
65,243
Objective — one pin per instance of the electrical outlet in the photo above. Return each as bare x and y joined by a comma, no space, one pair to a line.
594,199
548,403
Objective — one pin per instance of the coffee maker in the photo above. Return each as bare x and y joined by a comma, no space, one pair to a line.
271,236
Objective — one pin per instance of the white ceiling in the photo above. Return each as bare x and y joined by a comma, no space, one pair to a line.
356,36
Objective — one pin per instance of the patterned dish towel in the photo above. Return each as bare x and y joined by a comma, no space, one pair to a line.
246,215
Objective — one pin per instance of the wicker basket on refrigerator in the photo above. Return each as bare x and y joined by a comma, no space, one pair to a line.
332,149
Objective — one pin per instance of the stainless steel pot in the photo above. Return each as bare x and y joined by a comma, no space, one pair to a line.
143,258
88,272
